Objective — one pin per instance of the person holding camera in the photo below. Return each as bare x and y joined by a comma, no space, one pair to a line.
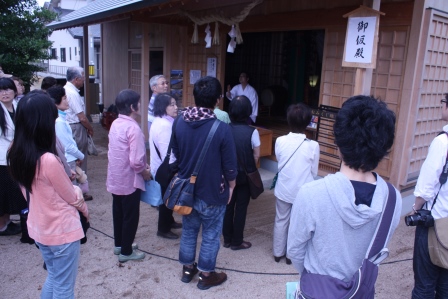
430,281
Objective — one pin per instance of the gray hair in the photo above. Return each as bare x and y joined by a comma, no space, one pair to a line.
153,80
74,72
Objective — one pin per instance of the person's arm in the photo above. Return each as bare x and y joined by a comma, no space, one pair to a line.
315,166
301,229
232,185
256,143
428,181
62,132
137,152
85,122
55,173
231,93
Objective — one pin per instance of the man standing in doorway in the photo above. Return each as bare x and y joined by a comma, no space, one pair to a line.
76,116
244,89
157,84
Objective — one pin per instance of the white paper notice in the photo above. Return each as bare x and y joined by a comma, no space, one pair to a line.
360,37
211,67
195,75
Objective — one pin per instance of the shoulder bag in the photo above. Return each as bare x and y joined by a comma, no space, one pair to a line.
179,195
165,173
274,181
362,284
254,180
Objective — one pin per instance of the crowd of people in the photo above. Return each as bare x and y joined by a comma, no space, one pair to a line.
43,141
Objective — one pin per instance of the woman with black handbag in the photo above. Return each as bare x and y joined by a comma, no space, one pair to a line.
165,112
247,141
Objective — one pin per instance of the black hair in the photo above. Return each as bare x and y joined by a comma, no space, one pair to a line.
364,131
240,109
34,136
48,82
126,99
298,117
56,93
5,84
161,102
206,92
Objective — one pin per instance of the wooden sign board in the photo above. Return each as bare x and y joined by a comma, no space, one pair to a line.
361,39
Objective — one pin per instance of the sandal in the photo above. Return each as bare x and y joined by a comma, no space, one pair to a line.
244,245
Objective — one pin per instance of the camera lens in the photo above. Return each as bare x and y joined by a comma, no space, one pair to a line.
409,220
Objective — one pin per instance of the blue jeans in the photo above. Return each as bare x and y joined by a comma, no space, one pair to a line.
431,281
62,267
211,218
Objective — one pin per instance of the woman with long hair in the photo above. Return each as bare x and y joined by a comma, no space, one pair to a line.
11,199
165,112
53,219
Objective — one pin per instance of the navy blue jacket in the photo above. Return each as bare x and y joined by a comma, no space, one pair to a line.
220,162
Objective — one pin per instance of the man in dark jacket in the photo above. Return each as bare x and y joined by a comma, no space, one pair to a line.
214,184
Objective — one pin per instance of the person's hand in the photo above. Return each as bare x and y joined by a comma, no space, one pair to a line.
90,132
73,176
86,213
146,174
78,163
228,90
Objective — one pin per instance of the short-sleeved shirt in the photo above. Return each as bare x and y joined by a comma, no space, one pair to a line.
75,102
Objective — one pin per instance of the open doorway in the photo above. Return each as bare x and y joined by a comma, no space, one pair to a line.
283,67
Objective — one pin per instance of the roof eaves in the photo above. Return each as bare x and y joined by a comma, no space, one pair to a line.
96,11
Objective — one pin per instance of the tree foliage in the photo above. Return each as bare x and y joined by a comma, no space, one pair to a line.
23,37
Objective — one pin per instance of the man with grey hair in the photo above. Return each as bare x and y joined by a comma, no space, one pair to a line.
76,117
157,84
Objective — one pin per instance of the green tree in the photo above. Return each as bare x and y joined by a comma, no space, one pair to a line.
23,37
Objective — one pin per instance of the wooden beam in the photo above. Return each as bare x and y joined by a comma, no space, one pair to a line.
85,49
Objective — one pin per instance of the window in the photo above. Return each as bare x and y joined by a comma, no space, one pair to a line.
53,54
62,54
70,53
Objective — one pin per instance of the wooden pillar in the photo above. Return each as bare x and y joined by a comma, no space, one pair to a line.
144,89
85,49
363,77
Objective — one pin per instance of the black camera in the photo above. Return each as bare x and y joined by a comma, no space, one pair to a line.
421,218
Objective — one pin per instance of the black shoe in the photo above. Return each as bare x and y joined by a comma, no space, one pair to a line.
277,258
176,225
87,197
189,273
11,229
213,280
288,261
168,235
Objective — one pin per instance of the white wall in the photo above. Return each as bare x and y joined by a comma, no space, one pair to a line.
73,4
63,39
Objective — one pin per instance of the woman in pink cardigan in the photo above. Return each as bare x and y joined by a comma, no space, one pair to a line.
53,219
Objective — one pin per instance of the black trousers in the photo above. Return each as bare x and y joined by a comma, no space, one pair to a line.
235,216
165,217
126,213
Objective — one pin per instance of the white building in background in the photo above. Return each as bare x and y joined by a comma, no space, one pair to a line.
66,50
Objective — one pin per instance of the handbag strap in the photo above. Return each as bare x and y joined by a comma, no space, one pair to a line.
292,155
382,230
204,151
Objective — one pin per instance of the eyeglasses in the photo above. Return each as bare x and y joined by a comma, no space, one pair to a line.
6,91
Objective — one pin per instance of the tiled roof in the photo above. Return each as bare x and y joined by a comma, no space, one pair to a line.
98,10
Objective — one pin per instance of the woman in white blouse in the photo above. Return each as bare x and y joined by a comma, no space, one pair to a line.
298,161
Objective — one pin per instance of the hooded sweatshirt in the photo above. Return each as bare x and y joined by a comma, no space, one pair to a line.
329,234
220,163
